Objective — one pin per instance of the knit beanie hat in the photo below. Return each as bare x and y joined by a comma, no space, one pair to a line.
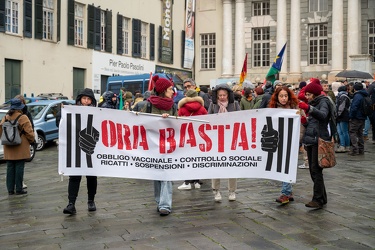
162,84
314,87
358,86
276,83
302,84
259,90
342,88
191,93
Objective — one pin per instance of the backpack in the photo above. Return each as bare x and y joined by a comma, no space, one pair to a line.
11,136
366,106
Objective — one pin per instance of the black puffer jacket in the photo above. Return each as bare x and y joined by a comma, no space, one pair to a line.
318,118
108,102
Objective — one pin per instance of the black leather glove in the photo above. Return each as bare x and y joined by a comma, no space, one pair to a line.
88,140
270,139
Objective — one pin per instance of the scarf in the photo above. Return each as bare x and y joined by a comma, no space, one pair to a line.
161,103
222,106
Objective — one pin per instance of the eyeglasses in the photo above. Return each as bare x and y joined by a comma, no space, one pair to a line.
187,87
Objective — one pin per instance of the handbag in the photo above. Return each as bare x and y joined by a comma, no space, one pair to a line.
326,153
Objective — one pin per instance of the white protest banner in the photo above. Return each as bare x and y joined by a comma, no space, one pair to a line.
260,143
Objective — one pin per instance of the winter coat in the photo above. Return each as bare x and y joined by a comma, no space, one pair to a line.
108,102
245,104
257,101
266,98
356,106
342,105
191,106
22,151
317,123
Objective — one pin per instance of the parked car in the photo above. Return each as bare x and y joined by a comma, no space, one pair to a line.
27,100
32,147
53,96
44,117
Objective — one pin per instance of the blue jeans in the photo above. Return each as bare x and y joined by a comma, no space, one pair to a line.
163,194
286,188
343,131
367,127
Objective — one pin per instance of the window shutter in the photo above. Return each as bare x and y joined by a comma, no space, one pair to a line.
28,18
38,19
136,38
97,27
120,49
70,22
108,31
58,33
152,41
182,48
160,41
90,26
2,16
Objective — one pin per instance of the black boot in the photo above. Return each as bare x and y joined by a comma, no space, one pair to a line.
70,209
91,205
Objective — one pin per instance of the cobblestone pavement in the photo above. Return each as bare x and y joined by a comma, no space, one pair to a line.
127,219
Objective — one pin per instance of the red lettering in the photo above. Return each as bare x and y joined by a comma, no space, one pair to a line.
220,138
239,129
208,146
109,138
165,139
190,131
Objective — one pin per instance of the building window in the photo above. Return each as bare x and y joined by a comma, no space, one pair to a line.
125,35
261,47
78,24
318,44
48,9
208,51
318,5
261,8
102,30
371,39
11,12
143,40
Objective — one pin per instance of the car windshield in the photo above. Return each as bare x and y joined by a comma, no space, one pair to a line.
2,114
36,111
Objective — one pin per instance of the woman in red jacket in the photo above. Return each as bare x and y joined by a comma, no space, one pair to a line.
191,105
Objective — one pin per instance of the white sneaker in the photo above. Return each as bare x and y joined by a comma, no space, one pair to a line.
217,195
303,166
185,186
232,196
197,185
347,149
340,149
24,186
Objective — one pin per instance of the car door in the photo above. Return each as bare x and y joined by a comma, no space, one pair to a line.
51,131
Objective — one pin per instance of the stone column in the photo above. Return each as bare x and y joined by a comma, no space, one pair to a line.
227,39
281,36
239,37
295,41
353,30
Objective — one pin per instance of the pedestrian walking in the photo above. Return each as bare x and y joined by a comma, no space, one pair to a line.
191,105
162,104
85,98
284,98
343,106
15,155
318,110
222,102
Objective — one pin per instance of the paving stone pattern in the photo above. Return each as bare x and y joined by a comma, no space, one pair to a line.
126,217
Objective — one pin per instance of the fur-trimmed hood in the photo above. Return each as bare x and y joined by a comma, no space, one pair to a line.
185,100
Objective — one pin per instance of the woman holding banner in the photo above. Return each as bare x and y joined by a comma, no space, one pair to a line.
222,102
162,104
284,98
